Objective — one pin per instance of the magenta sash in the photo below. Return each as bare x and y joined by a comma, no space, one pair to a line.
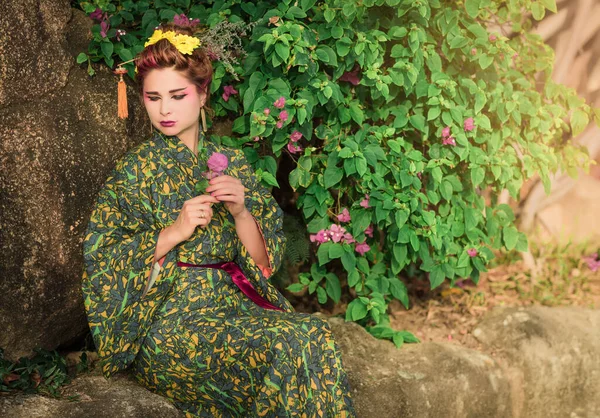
240,280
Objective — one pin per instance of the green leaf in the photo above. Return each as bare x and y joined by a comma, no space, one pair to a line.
323,253
282,50
538,11
82,57
332,176
334,289
472,7
511,237
357,310
436,277
579,121
107,49
296,287
398,290
321,295
329,15
356,112
477,176
335,250
550,5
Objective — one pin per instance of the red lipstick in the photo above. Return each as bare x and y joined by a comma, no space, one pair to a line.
167,123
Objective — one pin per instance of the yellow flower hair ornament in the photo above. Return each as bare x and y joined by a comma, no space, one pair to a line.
185,44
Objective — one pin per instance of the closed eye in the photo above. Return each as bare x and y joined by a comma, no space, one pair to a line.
177,97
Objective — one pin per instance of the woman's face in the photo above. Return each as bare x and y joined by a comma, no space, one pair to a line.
173,103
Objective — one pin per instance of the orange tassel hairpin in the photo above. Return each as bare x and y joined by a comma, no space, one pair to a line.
121,93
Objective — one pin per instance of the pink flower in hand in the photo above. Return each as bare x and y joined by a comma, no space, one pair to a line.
365,202
280,103
362,248
469,124
369,231
472,252
344,216
217,163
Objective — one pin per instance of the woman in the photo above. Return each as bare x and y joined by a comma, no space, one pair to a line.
176,276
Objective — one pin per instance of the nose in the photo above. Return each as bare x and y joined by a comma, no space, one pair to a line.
164,108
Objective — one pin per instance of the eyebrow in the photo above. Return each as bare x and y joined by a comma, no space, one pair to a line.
170,91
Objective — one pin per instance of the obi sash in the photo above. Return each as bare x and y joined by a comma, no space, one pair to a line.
239,279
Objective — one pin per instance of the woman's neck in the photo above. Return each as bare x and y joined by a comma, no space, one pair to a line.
190,138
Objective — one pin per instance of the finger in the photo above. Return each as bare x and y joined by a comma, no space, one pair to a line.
231,198
222,184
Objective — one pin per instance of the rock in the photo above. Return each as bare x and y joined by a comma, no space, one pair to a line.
550,355
92,395
421,380
59,139
538,362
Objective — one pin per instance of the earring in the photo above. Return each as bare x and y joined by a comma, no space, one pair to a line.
203,116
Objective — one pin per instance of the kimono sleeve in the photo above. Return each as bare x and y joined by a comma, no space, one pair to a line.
267,215
118,251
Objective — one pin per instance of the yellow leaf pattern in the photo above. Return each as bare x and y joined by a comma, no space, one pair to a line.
195,337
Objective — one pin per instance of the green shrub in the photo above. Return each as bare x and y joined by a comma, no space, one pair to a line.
412,103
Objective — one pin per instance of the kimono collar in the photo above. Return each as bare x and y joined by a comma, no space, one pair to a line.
181,152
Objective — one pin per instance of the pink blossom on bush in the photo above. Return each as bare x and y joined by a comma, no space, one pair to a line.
473,51
362,248
592,262
97,15
344,216
349,238
352,77
449,141
256,139
469,124
319,237
365,202
279,124
369,231
446,132
280,103
492,38
228,91
336,232
104,27
293,147
283,115
267,111
295,136
472,252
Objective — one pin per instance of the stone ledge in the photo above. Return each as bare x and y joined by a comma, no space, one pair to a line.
536,362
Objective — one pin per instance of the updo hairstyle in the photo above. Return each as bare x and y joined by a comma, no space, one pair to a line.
197,67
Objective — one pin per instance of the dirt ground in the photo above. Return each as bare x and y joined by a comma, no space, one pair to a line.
451,314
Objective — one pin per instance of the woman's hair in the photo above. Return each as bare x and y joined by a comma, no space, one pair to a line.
197,67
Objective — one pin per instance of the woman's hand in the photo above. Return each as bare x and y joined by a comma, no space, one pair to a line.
230,191
195,212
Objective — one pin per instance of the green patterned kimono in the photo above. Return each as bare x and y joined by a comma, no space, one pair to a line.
194,337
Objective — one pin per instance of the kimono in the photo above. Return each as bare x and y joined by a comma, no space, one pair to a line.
194,336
